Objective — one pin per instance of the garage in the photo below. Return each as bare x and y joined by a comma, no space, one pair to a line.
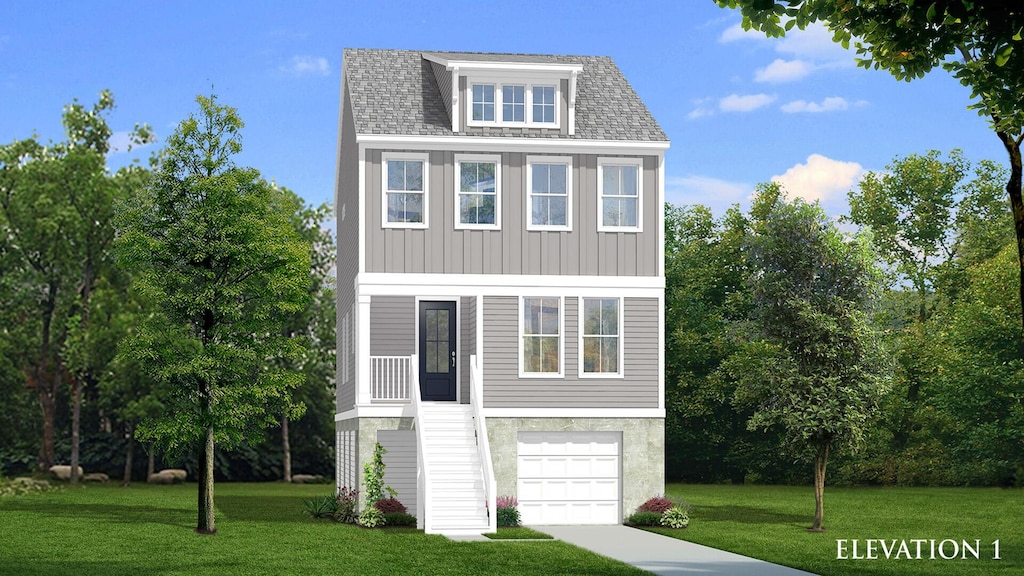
569,477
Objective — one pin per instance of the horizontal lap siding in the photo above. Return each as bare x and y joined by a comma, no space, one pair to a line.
400,464
504,389
392,325
441,249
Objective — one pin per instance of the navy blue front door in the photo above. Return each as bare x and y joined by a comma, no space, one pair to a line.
437,351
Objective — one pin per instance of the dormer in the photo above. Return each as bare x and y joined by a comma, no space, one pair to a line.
513,91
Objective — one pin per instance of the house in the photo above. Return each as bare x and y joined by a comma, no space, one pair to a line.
500,285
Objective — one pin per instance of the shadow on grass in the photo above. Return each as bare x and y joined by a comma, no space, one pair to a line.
113,567
749,515
116,513
262,508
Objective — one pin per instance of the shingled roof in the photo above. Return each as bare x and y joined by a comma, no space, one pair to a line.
396,92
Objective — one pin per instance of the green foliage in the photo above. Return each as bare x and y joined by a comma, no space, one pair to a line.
508,516
399,519
373,477
371,518
644,519
320,506
347,504
675,518
657,504
23,486
388,505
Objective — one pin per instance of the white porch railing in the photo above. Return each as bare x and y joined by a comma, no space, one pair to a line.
424,506
390,377
476,399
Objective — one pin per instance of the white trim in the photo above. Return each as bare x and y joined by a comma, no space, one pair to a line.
487,65
572,102
458,338
661,214
574,412
639,164
361,203
539,159
561,339
385,157
455,98
512,144
621,336
481,158
403,410
515,281
479,344
528,82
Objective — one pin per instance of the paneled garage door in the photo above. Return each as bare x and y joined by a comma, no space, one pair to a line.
569,477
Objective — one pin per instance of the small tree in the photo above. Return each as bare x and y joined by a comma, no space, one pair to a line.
811,369
210,250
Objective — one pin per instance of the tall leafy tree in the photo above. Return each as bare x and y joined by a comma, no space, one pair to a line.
210,248
978,41
811,368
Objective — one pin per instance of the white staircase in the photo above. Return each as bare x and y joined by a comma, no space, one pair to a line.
456,484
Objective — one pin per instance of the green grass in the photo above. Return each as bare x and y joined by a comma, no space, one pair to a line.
261,529
769,522
517,533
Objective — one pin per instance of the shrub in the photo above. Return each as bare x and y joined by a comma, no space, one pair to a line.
320,506
675,518
347,502
389,506
508,511
371,518
373,476
399,519
658,505
22,486
644,519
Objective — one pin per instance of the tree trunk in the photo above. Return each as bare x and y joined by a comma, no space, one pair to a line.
76,417
1013,189
820,461
128,456
287,448
206,523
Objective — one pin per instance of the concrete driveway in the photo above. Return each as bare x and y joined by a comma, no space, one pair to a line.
664,555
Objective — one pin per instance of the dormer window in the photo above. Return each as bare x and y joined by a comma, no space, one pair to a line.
518,103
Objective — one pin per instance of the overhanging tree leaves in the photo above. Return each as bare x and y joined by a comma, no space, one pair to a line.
212,252
811,368
978,41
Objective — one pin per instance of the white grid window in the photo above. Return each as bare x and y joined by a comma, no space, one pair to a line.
620,201
540,341
405,186
601,337
544,104
483,102
513,103
478,192
549,193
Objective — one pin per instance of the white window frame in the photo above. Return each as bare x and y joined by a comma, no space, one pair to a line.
526,111
639,164
553,104
385,157
561,339
567,161
580,331
514,79
490,158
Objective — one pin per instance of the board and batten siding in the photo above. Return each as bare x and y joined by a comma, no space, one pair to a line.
441,249
392,325
466,343
504,389
400,464
346,213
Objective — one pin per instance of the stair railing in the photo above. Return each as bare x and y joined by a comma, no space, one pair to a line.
424,506
476,400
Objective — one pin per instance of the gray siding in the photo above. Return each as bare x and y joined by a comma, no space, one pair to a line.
400,464
392,325
467,344
441,249
346,209
504,389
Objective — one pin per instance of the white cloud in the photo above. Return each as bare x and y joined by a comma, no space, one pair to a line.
746,103
714,193
820,179
830,104
702,108
307,66
736,32
781,71
815,43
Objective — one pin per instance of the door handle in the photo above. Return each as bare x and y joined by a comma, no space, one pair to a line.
453,358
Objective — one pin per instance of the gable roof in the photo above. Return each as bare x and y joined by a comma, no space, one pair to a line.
396,92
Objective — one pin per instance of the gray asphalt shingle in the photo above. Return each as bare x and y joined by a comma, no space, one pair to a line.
396,92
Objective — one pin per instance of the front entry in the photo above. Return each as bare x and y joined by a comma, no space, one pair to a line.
437,351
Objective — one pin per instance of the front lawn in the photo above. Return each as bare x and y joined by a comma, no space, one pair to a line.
261,529
518,533
769,522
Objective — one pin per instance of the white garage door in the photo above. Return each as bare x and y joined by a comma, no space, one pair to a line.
569,477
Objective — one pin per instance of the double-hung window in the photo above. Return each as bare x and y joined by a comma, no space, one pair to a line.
601,337
549,192
478,191
405,190
620,202
540,341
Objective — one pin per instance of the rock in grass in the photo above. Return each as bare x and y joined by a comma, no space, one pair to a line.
161,478
176,472
63,472
305,478
95,477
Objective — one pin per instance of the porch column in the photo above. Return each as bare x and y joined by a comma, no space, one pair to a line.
362,355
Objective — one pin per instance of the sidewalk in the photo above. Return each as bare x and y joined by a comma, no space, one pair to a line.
664,555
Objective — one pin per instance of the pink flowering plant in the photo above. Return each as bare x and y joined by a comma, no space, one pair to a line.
508,511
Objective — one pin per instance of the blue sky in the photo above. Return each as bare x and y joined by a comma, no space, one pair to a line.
739,109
